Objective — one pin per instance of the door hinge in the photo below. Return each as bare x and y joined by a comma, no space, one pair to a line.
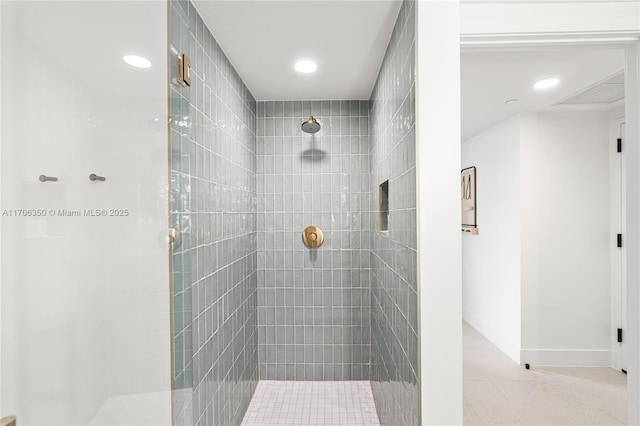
619,335
619,145
619,240
184,69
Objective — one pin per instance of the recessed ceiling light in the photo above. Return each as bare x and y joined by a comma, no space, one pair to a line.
511,101
546,83
137,61
305,66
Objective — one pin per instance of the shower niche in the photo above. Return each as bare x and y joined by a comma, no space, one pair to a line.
383,207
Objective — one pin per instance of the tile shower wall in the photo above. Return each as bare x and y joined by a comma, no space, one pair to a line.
394,345
213,203
313,304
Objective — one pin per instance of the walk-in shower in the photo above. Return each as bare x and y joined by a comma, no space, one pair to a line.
304,316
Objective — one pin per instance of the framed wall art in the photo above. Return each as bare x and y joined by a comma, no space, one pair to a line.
468,200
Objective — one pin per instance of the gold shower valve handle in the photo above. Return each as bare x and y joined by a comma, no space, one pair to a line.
312,236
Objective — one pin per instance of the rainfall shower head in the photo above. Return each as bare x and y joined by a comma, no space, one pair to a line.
311,125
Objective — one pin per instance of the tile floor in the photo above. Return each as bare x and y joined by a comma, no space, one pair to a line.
312,403
497,391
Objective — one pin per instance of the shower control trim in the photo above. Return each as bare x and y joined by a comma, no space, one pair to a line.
312,236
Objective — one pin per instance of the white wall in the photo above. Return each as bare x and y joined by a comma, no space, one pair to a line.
491,259
1,377
85,299
536,279
565,196
438,211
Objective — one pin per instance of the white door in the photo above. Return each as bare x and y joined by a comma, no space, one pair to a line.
623,280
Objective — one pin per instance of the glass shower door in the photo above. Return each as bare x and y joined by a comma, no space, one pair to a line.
180,134
84,263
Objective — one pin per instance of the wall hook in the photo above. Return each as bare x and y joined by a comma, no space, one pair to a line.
44,178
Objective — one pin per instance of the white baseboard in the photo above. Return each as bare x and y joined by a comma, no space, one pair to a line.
567,357
495,337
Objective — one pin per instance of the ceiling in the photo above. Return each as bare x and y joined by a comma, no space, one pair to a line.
604,92
489,78
347,38
263,39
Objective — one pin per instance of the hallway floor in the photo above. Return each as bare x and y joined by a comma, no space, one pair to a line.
276,403
497,391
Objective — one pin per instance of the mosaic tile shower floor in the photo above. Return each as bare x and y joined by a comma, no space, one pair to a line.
347,403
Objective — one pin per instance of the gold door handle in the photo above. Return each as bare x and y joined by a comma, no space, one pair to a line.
8,421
